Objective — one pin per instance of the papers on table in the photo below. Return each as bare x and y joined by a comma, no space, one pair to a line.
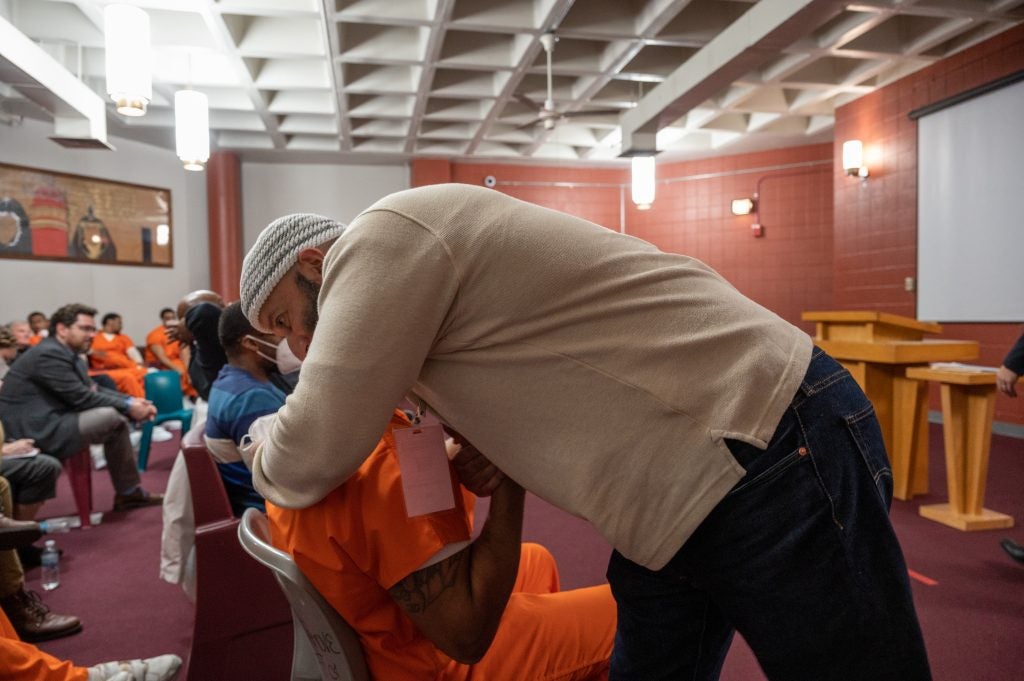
957,366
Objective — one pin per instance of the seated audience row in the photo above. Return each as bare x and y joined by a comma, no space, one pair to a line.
23,661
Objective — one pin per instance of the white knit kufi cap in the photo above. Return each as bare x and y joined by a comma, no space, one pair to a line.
275,251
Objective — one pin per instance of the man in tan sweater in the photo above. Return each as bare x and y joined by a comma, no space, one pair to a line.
742,481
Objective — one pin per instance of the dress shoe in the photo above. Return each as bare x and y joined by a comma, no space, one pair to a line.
33,620
137,499
1013,549
17,533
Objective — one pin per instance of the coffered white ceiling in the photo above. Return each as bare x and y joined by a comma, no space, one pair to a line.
392,79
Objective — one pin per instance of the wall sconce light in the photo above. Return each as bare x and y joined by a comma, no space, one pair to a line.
853,159
128,59
192,128
742,206
643,181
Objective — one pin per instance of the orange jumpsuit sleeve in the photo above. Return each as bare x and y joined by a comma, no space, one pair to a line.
154,337
158,336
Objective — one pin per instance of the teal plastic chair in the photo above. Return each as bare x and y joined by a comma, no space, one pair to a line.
163,389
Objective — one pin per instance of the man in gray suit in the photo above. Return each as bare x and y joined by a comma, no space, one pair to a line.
48,396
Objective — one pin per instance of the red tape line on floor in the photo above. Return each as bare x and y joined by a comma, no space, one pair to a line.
928,581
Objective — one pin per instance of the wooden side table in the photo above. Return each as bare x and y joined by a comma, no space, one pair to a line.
968,406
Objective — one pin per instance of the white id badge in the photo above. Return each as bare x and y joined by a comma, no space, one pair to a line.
426,482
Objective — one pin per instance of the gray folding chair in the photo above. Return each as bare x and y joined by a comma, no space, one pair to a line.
326,647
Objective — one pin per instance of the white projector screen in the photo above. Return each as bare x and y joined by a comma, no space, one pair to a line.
970,209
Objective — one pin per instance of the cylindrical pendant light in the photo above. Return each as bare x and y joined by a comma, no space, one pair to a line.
192,128
643,181
128,58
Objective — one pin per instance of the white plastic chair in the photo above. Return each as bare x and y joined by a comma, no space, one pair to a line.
326,647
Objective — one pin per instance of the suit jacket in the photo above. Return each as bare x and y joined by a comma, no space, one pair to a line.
43,393
1014,361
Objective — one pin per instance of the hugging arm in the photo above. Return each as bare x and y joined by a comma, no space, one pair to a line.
458,602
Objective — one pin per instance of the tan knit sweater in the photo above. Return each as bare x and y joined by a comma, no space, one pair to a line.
596,371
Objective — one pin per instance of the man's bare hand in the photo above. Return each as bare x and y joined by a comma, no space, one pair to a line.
1006,381
173,329
475,471
15,447
141,410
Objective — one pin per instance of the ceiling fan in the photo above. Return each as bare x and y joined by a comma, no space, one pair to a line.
546,113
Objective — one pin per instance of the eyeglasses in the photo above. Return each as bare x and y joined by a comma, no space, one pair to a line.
86,329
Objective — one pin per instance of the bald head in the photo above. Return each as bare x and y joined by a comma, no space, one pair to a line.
191,300
199,296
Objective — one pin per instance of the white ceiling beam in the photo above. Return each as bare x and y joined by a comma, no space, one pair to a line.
754,38
438,28
557,12
78,112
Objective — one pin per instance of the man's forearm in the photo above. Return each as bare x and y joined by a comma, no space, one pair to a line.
458,603
495,556
162,357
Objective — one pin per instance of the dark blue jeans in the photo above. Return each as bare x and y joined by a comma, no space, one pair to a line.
799,557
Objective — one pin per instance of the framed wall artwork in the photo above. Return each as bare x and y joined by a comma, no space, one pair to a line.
47,215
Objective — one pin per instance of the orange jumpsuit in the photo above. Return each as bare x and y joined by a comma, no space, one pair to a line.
110,356
172,349
21,661
358,542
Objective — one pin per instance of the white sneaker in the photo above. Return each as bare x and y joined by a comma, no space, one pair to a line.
163,668
99,458
172,425
161,434
136,437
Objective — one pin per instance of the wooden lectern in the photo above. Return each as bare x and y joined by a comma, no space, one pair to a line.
877,348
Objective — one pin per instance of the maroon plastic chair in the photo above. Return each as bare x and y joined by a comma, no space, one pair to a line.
79,470
243,625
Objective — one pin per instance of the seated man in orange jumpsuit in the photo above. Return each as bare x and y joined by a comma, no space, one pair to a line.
429,603
40,325
113,353
165,353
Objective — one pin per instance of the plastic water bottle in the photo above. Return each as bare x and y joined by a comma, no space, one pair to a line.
54,526
51,566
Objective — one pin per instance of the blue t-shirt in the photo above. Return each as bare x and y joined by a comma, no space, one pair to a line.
237,398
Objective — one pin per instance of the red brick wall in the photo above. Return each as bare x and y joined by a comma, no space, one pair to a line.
430,171
597,204
788,270
875,232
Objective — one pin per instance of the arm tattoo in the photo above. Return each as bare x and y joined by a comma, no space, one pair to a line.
416,592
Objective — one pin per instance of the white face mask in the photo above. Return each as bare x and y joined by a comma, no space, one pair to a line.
284,358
